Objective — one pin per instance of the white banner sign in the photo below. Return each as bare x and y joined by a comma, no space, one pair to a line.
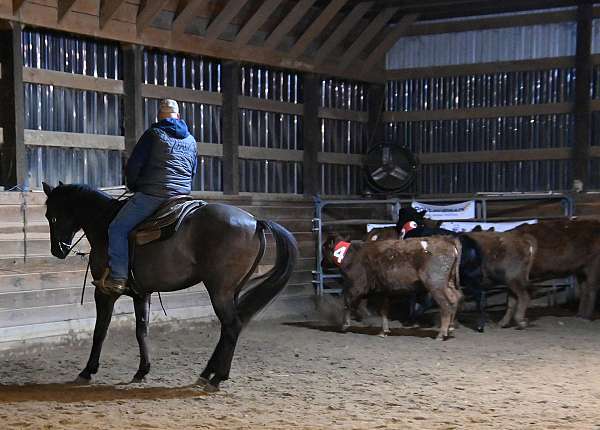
464,210
459,226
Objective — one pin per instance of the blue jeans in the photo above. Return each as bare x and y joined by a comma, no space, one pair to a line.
137,209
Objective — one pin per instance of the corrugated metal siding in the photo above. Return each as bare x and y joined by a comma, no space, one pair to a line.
343,136
502,44
270,130
204,121
52,108
543,175
484,90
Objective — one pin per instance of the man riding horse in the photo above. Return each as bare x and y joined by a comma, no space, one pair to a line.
161,166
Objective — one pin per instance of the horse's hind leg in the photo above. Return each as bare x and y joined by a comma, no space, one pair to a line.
104,309
142,314
588,290
219,365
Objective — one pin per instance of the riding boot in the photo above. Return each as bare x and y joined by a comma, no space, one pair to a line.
110,285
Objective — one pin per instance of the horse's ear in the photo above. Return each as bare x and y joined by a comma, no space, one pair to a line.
60,183
422,213
47,188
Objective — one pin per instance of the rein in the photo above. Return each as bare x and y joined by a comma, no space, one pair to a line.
83,254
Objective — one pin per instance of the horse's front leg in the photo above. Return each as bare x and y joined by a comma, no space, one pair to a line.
142,313
104,309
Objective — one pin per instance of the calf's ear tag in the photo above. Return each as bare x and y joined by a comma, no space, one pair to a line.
411,225
339,252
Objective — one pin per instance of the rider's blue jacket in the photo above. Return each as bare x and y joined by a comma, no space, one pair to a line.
163,161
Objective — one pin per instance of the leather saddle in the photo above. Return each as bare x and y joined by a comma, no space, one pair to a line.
166,220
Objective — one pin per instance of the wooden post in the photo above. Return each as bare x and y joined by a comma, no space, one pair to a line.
583,72
312,135
230,79
376,107
12,109
133,118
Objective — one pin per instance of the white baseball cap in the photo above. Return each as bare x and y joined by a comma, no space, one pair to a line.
168,106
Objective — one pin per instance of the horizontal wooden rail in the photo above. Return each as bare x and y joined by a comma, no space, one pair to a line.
210,149
74,140
492,156
256,103
486,112
72,80
344,115
256,153
336,158
181,94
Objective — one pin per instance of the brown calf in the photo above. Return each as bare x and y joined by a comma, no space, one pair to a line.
506,259
568,247
391,267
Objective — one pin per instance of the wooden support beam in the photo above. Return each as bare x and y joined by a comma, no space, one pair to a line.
13,169
376,108
108,8
348,24
230,82
64,6
343,114
390,39
316,27
365,37
583,116
255,153
181,94
287,23
220,23
16,5
492,156
186,15
133,118
255,103
147,12
253,24
312,135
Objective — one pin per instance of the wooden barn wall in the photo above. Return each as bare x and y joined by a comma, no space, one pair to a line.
40,294
491,110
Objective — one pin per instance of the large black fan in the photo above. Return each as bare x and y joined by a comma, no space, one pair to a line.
390,168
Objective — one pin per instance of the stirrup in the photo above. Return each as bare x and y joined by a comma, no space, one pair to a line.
111,287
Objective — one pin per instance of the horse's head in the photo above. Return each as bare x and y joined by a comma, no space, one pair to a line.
62,220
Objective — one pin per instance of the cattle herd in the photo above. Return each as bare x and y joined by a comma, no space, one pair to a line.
416,258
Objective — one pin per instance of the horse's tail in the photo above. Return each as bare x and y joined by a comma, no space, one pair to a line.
264,288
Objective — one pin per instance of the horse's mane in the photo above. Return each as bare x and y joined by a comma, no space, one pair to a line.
80,192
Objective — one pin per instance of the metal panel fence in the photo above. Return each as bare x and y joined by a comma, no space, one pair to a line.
53,108
204,120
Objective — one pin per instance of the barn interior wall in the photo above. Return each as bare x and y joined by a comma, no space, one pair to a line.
455,108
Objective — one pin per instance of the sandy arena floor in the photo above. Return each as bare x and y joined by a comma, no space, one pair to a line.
294,377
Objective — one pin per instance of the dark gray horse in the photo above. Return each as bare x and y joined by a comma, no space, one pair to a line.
218,245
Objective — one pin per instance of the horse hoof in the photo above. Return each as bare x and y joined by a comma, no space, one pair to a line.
80,380
502,324
481,329
138,379
202,381
383,334
210,388
522,325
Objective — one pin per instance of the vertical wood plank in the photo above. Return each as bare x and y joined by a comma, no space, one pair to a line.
230,81
133,117
312,134
583,73
12,108
376,108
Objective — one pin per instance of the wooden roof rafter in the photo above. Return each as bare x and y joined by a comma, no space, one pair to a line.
147,12
64,6
374,27
389,40
287,23
254,23
347,25
185,14
16,5
317,26
222,20
108,8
